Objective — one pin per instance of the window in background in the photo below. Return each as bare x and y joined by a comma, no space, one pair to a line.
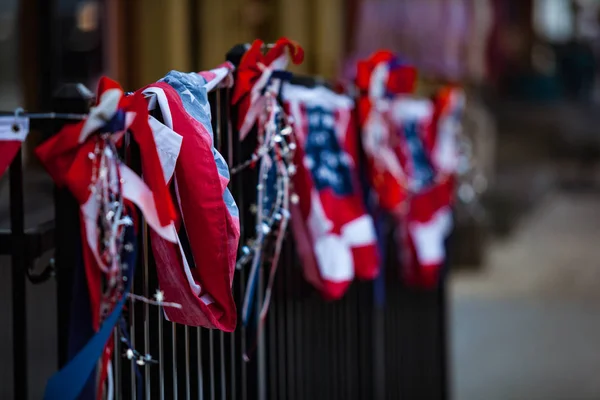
553,20
80,41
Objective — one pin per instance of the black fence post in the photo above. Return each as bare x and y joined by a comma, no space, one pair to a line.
18,262
70,98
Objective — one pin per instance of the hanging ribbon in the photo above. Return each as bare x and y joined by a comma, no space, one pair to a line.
68,383
254,74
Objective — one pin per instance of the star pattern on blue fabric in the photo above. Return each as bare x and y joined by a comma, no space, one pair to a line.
422,168
328,163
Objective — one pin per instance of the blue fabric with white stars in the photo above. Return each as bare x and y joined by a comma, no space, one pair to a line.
423,169
328,163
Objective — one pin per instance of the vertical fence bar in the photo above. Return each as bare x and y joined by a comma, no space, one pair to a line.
220,126
442,338
211,345
18,264
187,362
174,358
146,292
222,364
161,354
132,364
226,122
70,98
117,366
199,363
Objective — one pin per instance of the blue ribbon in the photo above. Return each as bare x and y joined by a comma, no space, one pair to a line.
80,326
69,382
379,284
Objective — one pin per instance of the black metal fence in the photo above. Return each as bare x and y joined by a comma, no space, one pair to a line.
355,348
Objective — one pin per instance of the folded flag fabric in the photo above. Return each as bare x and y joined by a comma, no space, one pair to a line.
449,107
427,220
207,213
83,158
379,79
253,76
335,237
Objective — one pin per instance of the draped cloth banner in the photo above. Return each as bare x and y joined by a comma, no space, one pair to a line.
411,148
335,237
70,158
253,76
207,213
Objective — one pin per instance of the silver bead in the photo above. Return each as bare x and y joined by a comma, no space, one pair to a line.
265,228
277,217
286,131
129,354
140,362
292,170
292,146
277,138
246,250
294,198
91,156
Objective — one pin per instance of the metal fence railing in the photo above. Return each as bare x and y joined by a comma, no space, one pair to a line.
354,348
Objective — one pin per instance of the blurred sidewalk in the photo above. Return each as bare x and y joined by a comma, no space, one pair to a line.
527,326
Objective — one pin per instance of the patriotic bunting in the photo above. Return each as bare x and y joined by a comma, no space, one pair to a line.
335,236
308,165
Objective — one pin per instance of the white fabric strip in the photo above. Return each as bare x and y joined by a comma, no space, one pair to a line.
102,113
163,103
135,190
359,232
168,146
316,97
334,258
7,123
171,147
429,237
221,73
408,108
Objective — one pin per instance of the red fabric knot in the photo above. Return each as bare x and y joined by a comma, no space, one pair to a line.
66,158
252,78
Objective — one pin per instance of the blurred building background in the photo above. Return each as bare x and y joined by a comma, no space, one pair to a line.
525,300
